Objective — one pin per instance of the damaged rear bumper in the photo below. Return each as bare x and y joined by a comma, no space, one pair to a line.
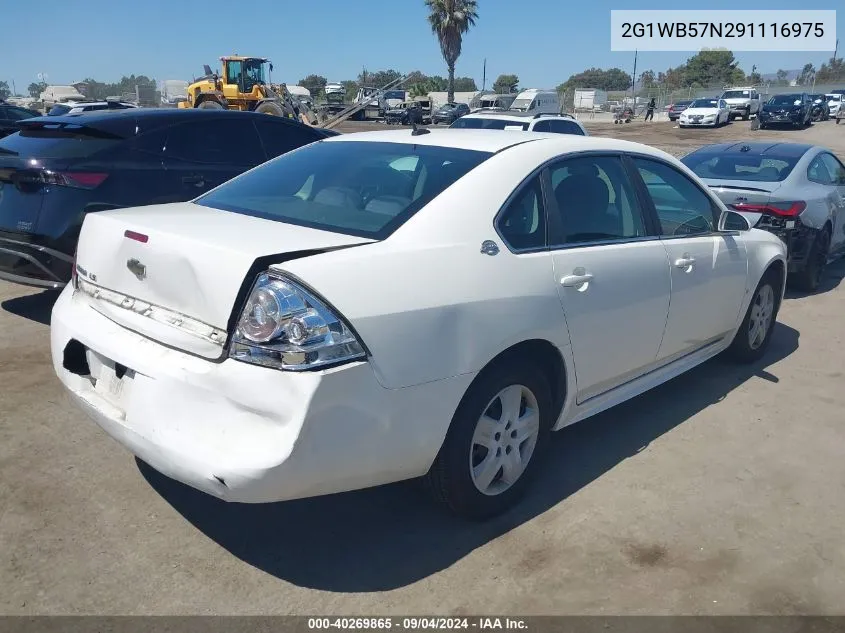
797,236
242,432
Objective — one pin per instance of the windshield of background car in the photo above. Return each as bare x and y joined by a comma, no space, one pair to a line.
740,166
704,103
737,94
521,104
358,188
782,100
58,110
476,123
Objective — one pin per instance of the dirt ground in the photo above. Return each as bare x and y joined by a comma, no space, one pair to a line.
720,492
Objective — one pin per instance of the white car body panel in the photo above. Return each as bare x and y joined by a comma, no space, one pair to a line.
431,309
720,115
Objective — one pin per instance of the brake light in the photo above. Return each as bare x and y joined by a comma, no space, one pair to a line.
780,209
76,179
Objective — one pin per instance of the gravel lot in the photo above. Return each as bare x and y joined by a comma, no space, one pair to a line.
719,492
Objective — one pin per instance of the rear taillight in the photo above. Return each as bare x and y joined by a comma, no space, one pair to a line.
780,209
76,179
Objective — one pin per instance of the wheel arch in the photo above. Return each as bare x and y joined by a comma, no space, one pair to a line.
544,354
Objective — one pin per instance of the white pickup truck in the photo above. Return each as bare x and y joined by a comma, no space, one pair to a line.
743,102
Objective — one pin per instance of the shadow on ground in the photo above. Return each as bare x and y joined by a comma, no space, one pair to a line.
389,537
36,307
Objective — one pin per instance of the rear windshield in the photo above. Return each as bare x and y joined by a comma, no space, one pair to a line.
736,94
785,99
58,110
54,144
352,187
476,123
766,168
704,103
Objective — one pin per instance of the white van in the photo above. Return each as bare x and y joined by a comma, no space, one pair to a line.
537,101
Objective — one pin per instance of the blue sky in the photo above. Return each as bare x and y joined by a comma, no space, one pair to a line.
542,41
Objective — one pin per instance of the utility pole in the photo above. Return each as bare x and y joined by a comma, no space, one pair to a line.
835,49
484,76
634,81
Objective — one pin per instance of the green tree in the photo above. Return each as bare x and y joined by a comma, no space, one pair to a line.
613,79
647,80
465,84
35,90
350,87
710,67
449,20
315,84
806,76
505,83
781,77
831,72
378,79
5,92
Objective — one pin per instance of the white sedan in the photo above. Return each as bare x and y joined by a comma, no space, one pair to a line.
705,113
389,305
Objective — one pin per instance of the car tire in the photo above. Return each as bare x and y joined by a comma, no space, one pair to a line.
747,114
809,277
450,478
837,120
748,346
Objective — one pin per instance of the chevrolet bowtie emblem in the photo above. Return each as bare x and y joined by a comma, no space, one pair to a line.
137,268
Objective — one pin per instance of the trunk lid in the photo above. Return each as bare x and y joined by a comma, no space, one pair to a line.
732,192
174,272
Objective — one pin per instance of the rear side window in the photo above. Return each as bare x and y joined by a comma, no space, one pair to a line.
50,143
217,142
487,124
17,114
278,137
741,166
358,188
558,127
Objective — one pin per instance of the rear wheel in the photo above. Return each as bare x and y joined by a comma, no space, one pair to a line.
755,332
747,114
809,278
211,105
495,442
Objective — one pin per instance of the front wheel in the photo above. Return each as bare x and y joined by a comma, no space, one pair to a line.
754,334
747,115
495,442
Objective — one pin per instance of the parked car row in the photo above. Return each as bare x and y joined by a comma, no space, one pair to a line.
265,324
58,169
798,109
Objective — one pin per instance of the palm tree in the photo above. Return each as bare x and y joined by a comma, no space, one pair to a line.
449,20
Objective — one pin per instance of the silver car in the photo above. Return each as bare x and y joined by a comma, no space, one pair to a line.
794,190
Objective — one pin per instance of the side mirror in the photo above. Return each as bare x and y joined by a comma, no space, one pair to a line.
733,221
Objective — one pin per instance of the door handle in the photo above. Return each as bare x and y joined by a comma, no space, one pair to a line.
196,181
685,262
571,281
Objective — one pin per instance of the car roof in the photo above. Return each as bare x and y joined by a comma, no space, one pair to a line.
761,148
514,115
496,140
129,121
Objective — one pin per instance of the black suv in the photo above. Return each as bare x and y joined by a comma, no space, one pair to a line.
10,116
791,109
59,168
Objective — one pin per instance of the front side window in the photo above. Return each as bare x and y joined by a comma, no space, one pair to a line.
682,207
477,123
368,189
595,200
523,223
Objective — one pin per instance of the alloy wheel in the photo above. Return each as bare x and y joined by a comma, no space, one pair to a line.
504,440
761,316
